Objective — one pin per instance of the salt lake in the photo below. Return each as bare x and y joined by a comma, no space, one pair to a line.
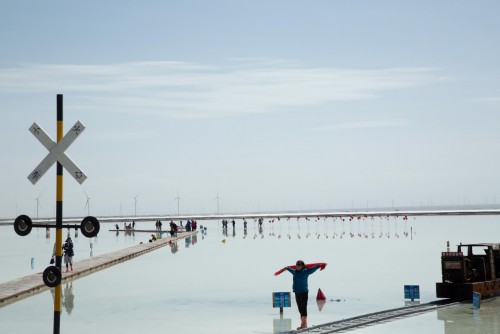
218,283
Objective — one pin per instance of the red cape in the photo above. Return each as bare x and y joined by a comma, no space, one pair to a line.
322,266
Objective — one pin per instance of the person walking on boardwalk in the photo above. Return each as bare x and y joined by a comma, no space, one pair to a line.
68,253
301,289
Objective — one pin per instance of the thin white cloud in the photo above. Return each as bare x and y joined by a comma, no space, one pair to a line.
492,100
387,123
191,90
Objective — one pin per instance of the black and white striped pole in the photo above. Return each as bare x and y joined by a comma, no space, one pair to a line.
89,226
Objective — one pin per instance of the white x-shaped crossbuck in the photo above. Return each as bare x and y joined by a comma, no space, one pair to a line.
56,153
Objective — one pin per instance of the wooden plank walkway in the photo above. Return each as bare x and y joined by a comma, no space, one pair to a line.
147,231
30,285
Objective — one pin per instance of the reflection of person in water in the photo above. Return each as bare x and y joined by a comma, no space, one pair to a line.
173,247
68,298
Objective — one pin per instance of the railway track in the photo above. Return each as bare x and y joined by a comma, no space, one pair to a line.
376,317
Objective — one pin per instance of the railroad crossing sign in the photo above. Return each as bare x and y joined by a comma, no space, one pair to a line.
56,153
89,226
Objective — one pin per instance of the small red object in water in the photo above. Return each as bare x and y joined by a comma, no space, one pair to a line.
321,295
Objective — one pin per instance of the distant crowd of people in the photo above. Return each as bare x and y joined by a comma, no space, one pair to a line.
233,222
191,225
126,227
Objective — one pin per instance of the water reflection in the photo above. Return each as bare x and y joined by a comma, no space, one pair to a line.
174,248
282,325
67,296
363,227
91,248
465,319
321,304
411,303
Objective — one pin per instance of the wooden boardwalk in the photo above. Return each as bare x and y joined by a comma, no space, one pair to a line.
26,286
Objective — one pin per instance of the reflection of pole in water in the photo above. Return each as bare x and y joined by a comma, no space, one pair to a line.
298,227
254,228
289,228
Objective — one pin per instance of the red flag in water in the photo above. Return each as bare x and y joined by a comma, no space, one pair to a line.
321,295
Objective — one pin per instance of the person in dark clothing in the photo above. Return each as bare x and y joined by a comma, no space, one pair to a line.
68,253
173,229
301,289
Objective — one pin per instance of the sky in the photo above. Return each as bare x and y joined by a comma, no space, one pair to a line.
267,105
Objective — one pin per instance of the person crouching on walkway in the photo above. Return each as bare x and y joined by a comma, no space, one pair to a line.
301,289
68,253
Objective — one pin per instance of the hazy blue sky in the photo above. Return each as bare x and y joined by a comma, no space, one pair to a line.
272,104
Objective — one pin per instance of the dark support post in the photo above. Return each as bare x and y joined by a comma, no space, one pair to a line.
59,213
89,226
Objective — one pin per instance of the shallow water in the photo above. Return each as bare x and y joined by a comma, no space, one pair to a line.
223,284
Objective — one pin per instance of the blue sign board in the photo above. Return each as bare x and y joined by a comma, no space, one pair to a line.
476,299
281,299
412,292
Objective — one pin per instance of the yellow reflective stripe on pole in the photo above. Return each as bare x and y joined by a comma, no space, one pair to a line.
57,297
59,131
59,192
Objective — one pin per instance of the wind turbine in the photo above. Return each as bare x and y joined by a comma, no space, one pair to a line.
178,198
38,203
135,204
87,204
217,198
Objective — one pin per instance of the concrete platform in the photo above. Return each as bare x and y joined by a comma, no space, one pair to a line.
26,286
